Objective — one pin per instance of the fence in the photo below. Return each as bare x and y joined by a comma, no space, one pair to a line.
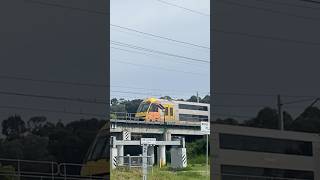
16,169
133,161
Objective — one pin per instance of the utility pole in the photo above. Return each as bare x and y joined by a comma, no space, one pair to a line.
197,97
280,117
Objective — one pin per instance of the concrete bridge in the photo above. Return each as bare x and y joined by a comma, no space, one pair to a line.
143,127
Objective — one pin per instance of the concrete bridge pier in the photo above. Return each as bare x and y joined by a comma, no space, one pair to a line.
113,153
151,153
179,155
120,152
162,150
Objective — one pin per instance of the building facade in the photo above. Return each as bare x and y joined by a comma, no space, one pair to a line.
241,153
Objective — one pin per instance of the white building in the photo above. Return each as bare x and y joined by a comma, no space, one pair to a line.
245,153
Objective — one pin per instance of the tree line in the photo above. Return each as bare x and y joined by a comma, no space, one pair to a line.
307,121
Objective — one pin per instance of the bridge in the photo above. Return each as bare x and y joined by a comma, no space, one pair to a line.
143,127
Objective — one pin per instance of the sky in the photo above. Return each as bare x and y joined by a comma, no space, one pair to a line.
261,49
136,75
51,43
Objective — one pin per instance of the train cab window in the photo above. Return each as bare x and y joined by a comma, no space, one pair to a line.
166,111
144,107
171,111
99,148
153,108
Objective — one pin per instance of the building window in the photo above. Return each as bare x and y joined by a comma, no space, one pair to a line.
263,144
166,111
229,172
171,111
193,107
192,117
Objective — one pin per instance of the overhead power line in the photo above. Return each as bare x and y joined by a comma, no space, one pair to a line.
268,10
161,68
53,81
184,8
52,97
259,36
287,4
45,3
157,52
50,110
147,54
94,85
158,36
311,1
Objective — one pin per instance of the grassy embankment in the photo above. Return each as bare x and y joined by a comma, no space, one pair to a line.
192,172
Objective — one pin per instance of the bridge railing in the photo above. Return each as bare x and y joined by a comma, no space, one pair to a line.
123,116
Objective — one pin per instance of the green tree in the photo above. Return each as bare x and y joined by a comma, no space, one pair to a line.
13,127
308,121
194,99
35,123
205,99
229,121
266,118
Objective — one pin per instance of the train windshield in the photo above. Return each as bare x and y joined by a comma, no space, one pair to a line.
143,107
100,149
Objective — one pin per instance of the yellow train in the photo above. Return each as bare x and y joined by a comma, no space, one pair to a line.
97,161
153,109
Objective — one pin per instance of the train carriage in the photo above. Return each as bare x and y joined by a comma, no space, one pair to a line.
162,110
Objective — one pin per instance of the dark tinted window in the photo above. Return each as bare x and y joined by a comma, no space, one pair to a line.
242,172
153,108
171,111
192,117
262,144
166,111
193,107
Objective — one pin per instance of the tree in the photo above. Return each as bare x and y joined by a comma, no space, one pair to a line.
308,121
13,127
266,118
114,101
166,97
193,99
229,121
35,123
205,99
132,106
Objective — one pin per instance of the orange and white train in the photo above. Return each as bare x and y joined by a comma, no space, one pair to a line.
162,110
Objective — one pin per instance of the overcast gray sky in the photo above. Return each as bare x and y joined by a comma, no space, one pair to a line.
136,75
266,48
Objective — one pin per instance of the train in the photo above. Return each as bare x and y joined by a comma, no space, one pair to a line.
163,110
97,161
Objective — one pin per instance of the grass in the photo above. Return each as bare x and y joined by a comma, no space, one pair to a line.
192,172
